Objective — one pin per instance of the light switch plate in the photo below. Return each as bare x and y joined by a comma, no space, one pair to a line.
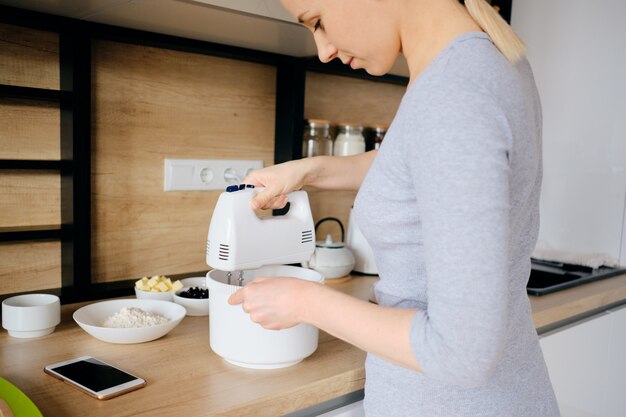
205,174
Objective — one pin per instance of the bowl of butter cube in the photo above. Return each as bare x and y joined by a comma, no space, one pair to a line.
157,287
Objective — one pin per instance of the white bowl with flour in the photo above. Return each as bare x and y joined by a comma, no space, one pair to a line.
155,319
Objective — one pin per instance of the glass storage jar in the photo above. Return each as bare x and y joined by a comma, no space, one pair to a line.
379,134
349,140
316,139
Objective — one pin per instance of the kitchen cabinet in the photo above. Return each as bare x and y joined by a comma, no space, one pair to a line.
587,364
350,410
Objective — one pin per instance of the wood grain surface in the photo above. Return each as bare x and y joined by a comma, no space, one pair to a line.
29,130
562,305
344,99
186,378
28,57
331,204
29,198
29,266
150,104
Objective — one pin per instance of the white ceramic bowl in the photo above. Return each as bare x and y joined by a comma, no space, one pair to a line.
239,340
194,282
92,317
31,315
149,295
194,306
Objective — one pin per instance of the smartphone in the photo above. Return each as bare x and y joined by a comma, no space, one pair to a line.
94,377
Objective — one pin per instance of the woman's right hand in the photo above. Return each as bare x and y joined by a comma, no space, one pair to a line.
278,180
323,172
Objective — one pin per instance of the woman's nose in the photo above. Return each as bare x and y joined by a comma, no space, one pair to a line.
326,51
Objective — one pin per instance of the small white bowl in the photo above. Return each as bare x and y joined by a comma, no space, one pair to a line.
91,318
194,306
31,315
149,295
194,282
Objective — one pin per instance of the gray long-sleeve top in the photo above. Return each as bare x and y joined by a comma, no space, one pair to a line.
450,207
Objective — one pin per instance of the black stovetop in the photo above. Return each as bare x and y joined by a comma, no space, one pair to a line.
547,277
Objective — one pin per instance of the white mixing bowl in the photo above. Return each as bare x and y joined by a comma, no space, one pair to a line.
91,319
242,342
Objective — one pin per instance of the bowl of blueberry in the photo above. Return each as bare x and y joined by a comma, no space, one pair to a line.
195,300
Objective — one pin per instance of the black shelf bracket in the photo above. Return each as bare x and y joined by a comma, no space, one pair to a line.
33,164
30,93
290,85
15,234
75,63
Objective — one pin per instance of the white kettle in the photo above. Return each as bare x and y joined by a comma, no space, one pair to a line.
331,259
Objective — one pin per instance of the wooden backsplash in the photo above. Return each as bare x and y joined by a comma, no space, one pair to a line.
29,57
29,266
149,104
29,130
342,99
30,198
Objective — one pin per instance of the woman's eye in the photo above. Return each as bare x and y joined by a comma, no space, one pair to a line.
317,25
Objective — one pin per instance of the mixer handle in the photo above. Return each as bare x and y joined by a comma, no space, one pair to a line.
333,219
281,211
298,204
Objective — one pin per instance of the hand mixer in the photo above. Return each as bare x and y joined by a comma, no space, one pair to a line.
238,239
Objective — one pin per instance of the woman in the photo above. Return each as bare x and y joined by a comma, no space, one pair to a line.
449,205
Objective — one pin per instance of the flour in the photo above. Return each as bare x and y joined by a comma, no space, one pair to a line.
134,317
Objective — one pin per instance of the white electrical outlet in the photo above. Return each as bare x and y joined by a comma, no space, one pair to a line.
205,174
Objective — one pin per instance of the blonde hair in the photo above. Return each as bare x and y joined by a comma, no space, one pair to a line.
497,28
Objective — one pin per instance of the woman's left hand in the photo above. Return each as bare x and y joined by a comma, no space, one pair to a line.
274,303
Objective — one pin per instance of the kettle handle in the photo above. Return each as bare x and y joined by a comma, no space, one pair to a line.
333,219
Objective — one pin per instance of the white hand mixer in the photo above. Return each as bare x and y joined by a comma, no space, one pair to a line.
238,239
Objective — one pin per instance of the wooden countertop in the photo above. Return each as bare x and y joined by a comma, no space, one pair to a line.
552,309
185,378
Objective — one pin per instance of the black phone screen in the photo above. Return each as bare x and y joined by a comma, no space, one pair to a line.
93,374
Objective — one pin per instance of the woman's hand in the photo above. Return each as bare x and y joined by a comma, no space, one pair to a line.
274,303
278,180
323,172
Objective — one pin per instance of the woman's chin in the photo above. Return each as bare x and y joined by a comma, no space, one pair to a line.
377,72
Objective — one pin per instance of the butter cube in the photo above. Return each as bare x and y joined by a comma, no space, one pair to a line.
177,285
162,286
153,281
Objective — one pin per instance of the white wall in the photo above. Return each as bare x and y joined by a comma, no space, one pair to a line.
577,49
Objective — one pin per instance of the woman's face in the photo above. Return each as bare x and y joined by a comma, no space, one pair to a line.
361,33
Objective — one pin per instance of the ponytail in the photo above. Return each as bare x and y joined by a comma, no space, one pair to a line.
497,28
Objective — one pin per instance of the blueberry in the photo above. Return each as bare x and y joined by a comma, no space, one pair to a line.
195,292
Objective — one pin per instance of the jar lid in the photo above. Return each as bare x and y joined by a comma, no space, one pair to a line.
379,128
350,128
318,123
350,124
